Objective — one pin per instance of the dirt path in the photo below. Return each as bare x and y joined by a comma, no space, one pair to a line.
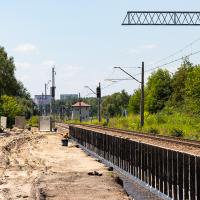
36,166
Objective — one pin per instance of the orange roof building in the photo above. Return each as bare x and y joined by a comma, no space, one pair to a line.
81,104
80,109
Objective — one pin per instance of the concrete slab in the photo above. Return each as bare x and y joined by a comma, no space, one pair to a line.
20,122
3,121
45,123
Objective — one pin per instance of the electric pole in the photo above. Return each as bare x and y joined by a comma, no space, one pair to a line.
45,90
142,92
142,98
53,96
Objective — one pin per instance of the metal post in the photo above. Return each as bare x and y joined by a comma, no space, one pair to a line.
142,98
99,104
42,110
45,90
80,108
45,97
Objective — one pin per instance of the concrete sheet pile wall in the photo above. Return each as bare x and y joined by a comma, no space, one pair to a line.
175,174
45,123
20,122
3,122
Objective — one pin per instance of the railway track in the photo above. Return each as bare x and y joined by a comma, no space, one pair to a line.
170,139
176,140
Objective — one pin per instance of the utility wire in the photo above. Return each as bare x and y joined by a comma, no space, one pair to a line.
170,62
109,85
154,68
177,52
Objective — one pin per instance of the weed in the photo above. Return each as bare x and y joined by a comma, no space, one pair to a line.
177,132
153,130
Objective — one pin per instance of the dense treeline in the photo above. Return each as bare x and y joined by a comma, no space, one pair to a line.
115,104
14,98
179,91
164,91
172,104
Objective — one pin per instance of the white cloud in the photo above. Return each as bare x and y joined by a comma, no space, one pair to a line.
26,48
23,65
133,51
149,46
140,49
68,70
49,63
24,78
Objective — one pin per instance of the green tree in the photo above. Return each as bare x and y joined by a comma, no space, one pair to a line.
9,108
178,83
26,106
134,102
94,105
192,88
158,90
8,83
115,104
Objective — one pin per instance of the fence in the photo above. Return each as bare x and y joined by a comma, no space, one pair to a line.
174,174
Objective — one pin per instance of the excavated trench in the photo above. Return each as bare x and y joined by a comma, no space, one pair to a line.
35,166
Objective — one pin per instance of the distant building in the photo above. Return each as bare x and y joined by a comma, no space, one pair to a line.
42,99
68,97
85,111
43,103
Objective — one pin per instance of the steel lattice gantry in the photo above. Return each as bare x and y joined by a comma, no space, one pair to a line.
162,18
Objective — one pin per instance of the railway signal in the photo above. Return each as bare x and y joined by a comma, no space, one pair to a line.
99,101
98,95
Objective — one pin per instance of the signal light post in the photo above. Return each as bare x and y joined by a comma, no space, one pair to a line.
98,95
99,101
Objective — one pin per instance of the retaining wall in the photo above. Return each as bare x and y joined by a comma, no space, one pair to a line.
174,174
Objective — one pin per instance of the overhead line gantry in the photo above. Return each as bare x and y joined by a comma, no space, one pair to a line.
169,18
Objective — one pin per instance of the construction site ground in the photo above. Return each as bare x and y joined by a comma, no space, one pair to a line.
35,165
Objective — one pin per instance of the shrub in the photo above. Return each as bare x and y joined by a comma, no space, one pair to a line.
105,124
9,108
160,118
177,132
153,130
33,121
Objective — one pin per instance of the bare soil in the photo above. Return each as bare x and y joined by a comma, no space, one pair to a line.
36,166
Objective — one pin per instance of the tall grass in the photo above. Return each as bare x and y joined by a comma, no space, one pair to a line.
175,124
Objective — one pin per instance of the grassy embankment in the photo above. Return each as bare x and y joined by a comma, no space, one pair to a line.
176,124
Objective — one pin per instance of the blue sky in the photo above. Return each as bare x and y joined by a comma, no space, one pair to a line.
85,40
